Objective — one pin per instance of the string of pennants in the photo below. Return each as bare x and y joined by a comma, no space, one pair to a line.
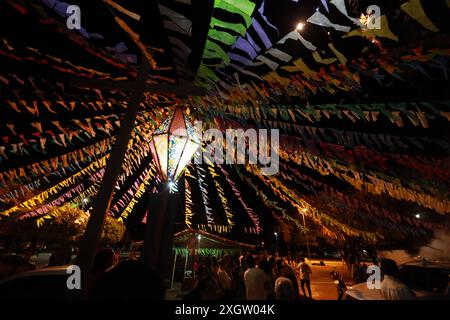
255,56
392,223
298,202
208,178
319,187
365,181
249,47
417,114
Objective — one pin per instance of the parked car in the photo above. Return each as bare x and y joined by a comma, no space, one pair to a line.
13,264
428,280
43,284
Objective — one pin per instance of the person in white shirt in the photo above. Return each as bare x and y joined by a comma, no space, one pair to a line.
255,280
391,287
305,270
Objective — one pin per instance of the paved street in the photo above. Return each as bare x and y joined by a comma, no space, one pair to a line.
322,286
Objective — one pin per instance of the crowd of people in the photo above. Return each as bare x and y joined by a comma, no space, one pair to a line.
245,277
251,277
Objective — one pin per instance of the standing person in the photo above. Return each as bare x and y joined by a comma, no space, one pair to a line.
277,268
103,261
290,274
224,279
340,284
255,281
265,266
129,280
284,290
391,287
207,285
305,271
239,285
228,265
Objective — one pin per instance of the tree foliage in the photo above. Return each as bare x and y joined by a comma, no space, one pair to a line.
64,224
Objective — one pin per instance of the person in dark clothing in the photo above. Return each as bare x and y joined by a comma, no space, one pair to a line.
290,274
208,285
340,284
129,280
265,266
103,260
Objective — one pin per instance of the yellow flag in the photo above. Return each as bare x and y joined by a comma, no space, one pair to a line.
342,59
414,9
321,60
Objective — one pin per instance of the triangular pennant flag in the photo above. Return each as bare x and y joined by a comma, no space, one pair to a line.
415,10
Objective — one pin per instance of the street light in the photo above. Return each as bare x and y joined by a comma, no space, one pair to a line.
304,225
84,202
300,26
173,187
172,145
276,241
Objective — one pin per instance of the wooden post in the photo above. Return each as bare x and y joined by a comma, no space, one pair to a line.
157,208
186,262
158,241
306,236
173,269
101,205
91,238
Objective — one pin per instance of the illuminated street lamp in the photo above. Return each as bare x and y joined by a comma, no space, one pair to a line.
300,26
173,145
304,225
276,241
84,202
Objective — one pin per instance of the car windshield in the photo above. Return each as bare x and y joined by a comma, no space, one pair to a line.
425,278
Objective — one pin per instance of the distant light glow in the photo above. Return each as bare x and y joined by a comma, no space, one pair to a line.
275,234
300,26
173,186
199,237
418,216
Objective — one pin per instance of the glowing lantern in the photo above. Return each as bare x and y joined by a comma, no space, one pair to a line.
173,145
